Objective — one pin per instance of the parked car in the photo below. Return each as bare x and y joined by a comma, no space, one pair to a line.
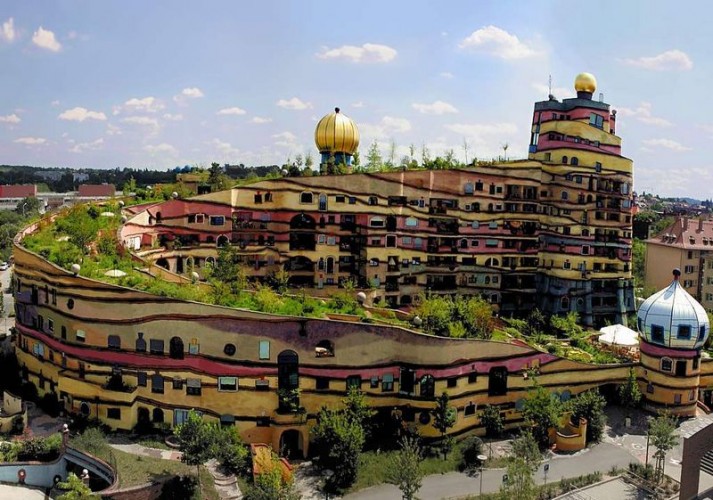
4,266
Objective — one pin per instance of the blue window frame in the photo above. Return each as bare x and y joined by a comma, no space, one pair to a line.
684,332
657,334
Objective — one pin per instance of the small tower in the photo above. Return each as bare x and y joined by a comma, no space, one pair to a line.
673,327
337,139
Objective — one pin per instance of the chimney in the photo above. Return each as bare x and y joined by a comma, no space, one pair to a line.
700,225
685,224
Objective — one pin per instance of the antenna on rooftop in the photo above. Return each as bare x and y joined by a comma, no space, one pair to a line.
601,96
550,84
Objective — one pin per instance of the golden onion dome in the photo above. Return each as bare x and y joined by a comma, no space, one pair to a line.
585,82
336,133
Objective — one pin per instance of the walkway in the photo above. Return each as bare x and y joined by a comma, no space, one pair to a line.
455,484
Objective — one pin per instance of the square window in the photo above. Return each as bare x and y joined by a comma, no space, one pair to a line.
157,384
469,410
141,379
81,336
193,387
387,383
472,377
352,200
322,383
264,349
178,384
217,220
677,399
339,198
374,382
113,413
354,381
684,332
452,382
50,325
156,346
229,384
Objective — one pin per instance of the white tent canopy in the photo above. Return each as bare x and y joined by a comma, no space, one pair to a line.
619,335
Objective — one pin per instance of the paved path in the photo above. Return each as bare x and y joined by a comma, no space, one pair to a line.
455,484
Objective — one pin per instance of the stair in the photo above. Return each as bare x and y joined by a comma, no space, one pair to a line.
707,463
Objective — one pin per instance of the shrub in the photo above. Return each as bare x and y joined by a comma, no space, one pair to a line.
471,447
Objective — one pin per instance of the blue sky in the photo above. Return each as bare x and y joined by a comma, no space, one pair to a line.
159,84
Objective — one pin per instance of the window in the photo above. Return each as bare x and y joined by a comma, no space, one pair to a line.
565,160
575,161
689,269
666,364
306,197
193,387
548,156
452,382
217,220
411,222
585,249
178,384
322,383
156,346
354,381
228,384
701,333
352,200
427,386
469,410
657,334
264,349
114,342
157,384
64,332
339,198
50,325
229,349
472,377
387,383
650,388
376,222
373,200
81,336
374,382
40,322
469,188
565,195
498,381
677,399
598,167
684,332
141,379
113,413
596,120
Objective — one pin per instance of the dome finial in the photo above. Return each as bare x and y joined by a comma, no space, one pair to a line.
676,274
336,110
585,82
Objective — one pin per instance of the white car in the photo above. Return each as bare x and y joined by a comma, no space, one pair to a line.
4,266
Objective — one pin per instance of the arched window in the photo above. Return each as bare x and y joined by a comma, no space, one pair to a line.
564,160
323,202
666,364
574,161
140,343
428,386
306,197
158,415
222,241
564,303
324,349
498,381
175,349
288,380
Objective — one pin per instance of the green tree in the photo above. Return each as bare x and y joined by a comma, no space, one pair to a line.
28,207
492,420
526,448
661,432
357,410
436,313
629,392
309,160
405,469
567,325
129,186
444,417
590,405
338,440
638,251
196,440
542,411
536,323
476,315
216,178
76,489
279,280
270,484
520,483
374,161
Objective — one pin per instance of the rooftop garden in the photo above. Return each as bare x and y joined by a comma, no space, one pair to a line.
87,235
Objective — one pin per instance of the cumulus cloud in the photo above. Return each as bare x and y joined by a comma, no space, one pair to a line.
650,144
295,103
224,149
7,31
386,127
285,139
146,121
358,104
260,120
54,103
45,39
497,42
435,108
145,105
558,92
231,111
188,93
643,114
12,119
173,117
31,141
161,149
87,146
670,60
366,53
112,130
80,114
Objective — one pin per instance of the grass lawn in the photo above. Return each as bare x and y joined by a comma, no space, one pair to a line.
153,443
374,467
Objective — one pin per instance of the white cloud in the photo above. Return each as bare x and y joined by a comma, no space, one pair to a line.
358,104
558,92
80,114
231,111
31,141
141,120
225,149
435,108
285,139
446,74
643,114
260,120
173,117
671,60
7,31
87,146
145,104
497,42
295,103
113,130
188,93
161,149
385,128
664,143
54,103
13,118
45,39
367,53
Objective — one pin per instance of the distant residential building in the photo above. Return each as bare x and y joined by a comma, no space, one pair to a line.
96,191
687,245
18,191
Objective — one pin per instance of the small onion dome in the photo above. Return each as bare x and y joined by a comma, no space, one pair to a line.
174,195
585,82
361,297
75,268
672,318
336,133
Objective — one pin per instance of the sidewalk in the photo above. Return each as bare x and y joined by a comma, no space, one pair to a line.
455,484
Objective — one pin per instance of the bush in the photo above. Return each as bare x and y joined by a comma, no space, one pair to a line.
179,487
471,447
40,449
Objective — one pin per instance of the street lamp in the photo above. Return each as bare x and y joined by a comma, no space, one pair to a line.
648,433
23,209
481,459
